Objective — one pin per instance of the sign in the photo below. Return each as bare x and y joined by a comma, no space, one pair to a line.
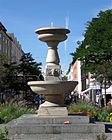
98,91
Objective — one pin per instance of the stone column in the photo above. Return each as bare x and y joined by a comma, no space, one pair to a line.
52,55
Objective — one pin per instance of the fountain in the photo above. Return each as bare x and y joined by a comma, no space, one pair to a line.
53,87
53,121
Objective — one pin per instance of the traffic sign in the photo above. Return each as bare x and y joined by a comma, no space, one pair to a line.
98,91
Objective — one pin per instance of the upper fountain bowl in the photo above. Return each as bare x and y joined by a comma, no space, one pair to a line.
52,34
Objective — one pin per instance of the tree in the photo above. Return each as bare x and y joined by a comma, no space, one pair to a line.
9,78
95,51
29,70
3,60
28,67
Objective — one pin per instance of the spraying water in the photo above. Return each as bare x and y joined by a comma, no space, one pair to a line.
66,25
51,24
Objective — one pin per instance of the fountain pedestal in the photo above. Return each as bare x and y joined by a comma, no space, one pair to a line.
52,111
53,72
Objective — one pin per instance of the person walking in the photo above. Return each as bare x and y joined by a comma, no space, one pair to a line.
101,101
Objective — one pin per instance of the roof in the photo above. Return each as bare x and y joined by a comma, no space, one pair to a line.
2,27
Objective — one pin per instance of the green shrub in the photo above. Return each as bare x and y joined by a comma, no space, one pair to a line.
103,115
109,108
100,113
10,112
83,107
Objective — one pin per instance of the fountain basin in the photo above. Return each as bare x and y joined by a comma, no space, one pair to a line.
53,90
52,87
53,30
52,34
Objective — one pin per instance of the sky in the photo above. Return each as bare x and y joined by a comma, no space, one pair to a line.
23,17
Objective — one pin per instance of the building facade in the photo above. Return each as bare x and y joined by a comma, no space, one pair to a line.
88,87
74,73
9,45
16,49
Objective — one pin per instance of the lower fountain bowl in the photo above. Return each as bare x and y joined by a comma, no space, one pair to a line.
52,87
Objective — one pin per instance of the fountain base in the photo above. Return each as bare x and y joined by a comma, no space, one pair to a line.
54,111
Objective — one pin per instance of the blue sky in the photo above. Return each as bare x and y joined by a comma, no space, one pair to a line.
23,17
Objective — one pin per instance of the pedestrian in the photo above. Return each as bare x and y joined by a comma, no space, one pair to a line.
36,101
101,101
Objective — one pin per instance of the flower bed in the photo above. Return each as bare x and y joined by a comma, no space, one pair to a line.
89,109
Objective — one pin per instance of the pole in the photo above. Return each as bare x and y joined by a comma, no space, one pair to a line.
105,92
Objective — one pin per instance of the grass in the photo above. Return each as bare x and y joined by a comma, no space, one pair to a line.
10,112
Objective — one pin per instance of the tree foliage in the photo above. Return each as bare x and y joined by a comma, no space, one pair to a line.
15,76
95,51
3,60
29,68
10,76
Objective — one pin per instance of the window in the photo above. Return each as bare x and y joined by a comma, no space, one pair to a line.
3,38
0,47
0,37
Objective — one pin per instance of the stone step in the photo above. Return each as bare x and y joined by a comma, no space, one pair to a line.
34,119
56,128
64,136
32,127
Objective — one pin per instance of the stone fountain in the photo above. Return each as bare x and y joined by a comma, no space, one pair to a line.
49,124
53,87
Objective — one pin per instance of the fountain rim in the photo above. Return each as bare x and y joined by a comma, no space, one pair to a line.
45,30
33,83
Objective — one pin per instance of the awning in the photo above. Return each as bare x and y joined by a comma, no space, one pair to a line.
86,91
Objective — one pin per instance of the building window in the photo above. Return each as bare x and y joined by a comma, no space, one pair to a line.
0,47
0,35
6,49
4,38
9,43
